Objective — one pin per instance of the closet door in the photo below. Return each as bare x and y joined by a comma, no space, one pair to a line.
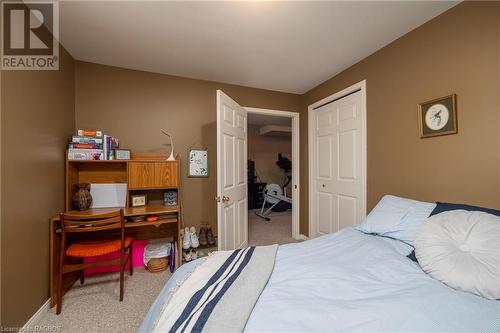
338,181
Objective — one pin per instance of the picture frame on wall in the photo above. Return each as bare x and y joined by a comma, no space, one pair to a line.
438,117
198,163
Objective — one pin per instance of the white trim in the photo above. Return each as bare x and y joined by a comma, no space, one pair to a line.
357,86
303,237
295,116
270,112
219,172
44,308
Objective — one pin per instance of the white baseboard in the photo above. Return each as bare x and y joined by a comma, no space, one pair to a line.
44,308
303,237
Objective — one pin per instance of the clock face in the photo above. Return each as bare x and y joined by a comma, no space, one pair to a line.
437,117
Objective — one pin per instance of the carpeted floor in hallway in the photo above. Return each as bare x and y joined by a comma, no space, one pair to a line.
276,231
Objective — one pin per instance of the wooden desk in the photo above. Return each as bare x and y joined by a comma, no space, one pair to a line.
144,173
166,227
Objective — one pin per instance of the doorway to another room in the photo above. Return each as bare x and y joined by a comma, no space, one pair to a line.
270,178
232,178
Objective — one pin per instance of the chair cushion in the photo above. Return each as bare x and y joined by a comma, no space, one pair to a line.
462,249
95,248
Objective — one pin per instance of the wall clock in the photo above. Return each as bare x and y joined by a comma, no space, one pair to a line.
438,117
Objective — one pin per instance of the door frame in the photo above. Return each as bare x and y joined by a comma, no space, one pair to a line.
360,86
295,116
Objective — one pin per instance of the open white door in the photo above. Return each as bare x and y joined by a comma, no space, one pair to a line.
232,209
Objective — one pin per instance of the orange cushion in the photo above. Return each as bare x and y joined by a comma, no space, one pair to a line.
96,248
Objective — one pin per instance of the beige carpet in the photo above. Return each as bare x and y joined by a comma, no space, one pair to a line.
276,231
95,306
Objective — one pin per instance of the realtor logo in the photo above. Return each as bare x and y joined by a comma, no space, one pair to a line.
30,35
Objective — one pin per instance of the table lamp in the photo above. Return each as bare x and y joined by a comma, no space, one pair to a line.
171,157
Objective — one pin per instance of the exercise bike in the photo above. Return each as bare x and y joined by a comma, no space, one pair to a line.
275,196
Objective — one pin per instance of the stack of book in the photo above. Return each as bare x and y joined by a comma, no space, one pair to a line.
92,145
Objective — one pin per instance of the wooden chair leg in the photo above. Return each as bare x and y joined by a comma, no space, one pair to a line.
82,275
122,270
131,253
60,275
59,291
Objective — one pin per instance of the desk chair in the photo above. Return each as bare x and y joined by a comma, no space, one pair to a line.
79,224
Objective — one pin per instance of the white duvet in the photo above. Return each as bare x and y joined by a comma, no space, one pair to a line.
353,282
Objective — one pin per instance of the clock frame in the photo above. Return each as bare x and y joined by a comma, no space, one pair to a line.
451,126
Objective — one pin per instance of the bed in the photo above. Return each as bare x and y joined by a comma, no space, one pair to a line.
351,281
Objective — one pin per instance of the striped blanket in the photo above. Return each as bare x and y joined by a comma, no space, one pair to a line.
220,294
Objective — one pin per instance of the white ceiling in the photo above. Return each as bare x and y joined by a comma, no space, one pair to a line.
284,46
263,119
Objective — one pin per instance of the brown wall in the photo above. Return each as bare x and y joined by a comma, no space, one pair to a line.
133,106
37,118
457,52
264,149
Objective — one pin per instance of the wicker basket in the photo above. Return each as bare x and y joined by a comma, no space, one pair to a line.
156,265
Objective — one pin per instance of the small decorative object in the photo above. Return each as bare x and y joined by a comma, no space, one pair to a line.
81,199
139,200
198,163
138,218
170,198
438,117
171,157
152,218
122,154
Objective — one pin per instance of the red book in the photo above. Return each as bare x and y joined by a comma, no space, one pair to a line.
85,145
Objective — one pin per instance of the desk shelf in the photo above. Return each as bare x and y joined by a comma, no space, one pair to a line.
150,209
147,223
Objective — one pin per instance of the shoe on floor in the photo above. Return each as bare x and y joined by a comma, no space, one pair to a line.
187,255
202,237
194,254
186,241
194,239
210,236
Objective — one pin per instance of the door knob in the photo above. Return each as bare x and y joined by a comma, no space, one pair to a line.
225,198
323,185
217,198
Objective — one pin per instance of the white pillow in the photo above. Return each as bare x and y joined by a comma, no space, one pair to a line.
462,249
397,218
